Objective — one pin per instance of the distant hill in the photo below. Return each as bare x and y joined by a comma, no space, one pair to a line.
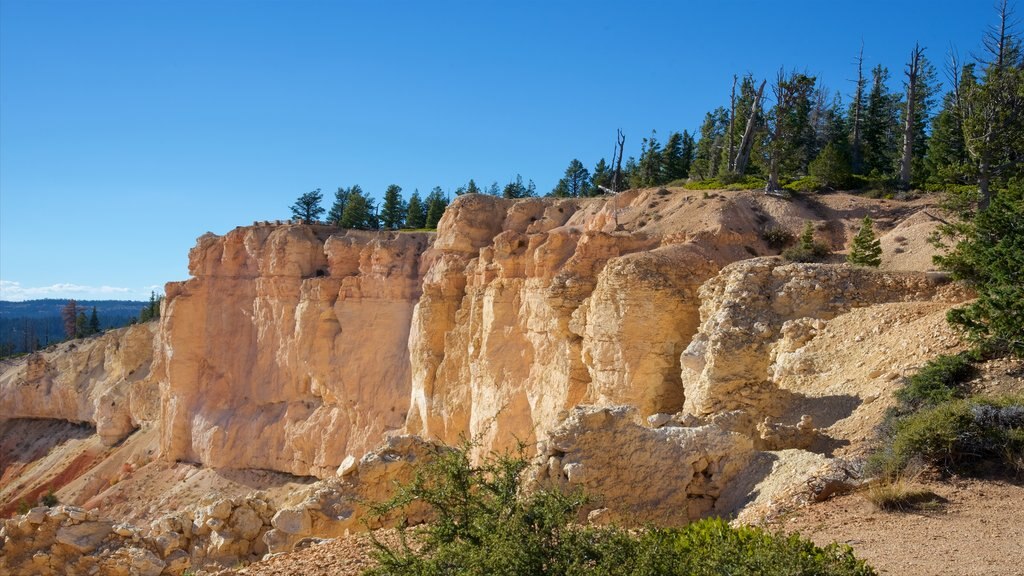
26,325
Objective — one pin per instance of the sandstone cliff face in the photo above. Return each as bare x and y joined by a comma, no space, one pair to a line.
102,381
287,350
531,307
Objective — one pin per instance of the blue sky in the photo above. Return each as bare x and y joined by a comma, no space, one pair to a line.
129,128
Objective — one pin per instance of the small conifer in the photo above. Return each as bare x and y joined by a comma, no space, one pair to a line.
866,249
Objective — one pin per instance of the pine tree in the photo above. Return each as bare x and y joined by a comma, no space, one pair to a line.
359,211
416,214
709,147
94,322
601,176
392,212
436,204
307,207
866,249
81,325
575,182
832,166
472,188
676,157
516,189
880,138
338,208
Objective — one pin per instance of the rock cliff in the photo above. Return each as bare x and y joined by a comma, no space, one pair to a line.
647,347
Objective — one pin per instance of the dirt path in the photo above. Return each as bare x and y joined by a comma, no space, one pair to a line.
978,531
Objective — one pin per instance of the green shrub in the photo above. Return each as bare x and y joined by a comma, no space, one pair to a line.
807,250
707,184
939,380
805,185
957,436
487,524
50,499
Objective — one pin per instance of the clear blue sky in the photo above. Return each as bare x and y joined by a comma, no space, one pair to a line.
129,128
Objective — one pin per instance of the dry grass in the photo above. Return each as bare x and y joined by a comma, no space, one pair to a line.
902,495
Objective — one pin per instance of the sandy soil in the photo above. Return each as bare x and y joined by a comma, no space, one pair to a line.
978,530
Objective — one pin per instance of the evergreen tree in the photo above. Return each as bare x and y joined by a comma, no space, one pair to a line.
307,207
601,176
993,126
832,166
493,189
709,146
338,208
649,169
472,188
924,108
81,325
416,215
866,249
990,258
152,310
94,322
880,139
575,183
516,189
393,211
436,204
794,142
947,161
359,211
676,157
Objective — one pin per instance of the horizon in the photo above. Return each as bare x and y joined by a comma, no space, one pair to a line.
127,130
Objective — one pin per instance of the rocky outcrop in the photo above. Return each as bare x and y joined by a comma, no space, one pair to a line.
103,381
637,475
757,314
288,348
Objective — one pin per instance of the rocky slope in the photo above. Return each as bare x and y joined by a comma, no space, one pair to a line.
642,340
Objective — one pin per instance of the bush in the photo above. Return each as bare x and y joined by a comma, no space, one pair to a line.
808,250
957,436
486,523
805,185
50,499
727,182
778,238
939,380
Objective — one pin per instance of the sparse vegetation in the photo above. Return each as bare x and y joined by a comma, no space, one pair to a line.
808,249
487,523
900,495
778,238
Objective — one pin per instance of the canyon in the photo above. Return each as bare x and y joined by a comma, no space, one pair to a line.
649,347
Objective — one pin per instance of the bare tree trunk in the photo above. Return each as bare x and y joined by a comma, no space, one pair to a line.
620,140
747,143
732,122
913,68
781,104
858,157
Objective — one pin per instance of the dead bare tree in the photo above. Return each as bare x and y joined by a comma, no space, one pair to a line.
782,92
747,143
732,122
912,71
620,140
999,38
857,119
